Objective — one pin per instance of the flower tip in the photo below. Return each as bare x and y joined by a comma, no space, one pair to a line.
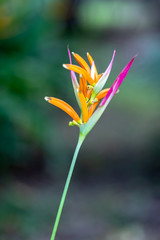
47,99
73,53
135,56
64,65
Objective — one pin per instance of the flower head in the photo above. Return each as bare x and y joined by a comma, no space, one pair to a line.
91,97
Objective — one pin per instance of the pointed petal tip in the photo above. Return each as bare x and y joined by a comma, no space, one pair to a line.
130,63
136,55
73,53
114,53
68,49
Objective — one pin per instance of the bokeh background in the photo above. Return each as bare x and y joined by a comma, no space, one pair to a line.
115,189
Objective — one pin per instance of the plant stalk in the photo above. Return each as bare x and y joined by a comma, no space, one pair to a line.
80,141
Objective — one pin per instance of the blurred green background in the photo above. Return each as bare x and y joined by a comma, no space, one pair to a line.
115,190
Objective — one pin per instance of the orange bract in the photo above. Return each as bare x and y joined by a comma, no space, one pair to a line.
90,59
64,106
82,62
102,94
79,70
92,108
84,106
83,85
89,92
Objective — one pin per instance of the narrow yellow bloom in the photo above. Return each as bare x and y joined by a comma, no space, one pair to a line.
84,106
92,108
64,106
89,92
91,61
83,85
102,94
82,62
79,70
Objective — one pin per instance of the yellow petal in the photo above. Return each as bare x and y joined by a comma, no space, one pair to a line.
90,59
102,93
84,106
64,106
79,70
83,85
81,62
89,93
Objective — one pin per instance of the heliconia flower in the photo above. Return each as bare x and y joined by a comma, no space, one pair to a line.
91,99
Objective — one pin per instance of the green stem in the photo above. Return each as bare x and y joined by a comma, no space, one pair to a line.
80,141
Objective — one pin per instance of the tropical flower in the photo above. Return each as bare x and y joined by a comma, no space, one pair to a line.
91,99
